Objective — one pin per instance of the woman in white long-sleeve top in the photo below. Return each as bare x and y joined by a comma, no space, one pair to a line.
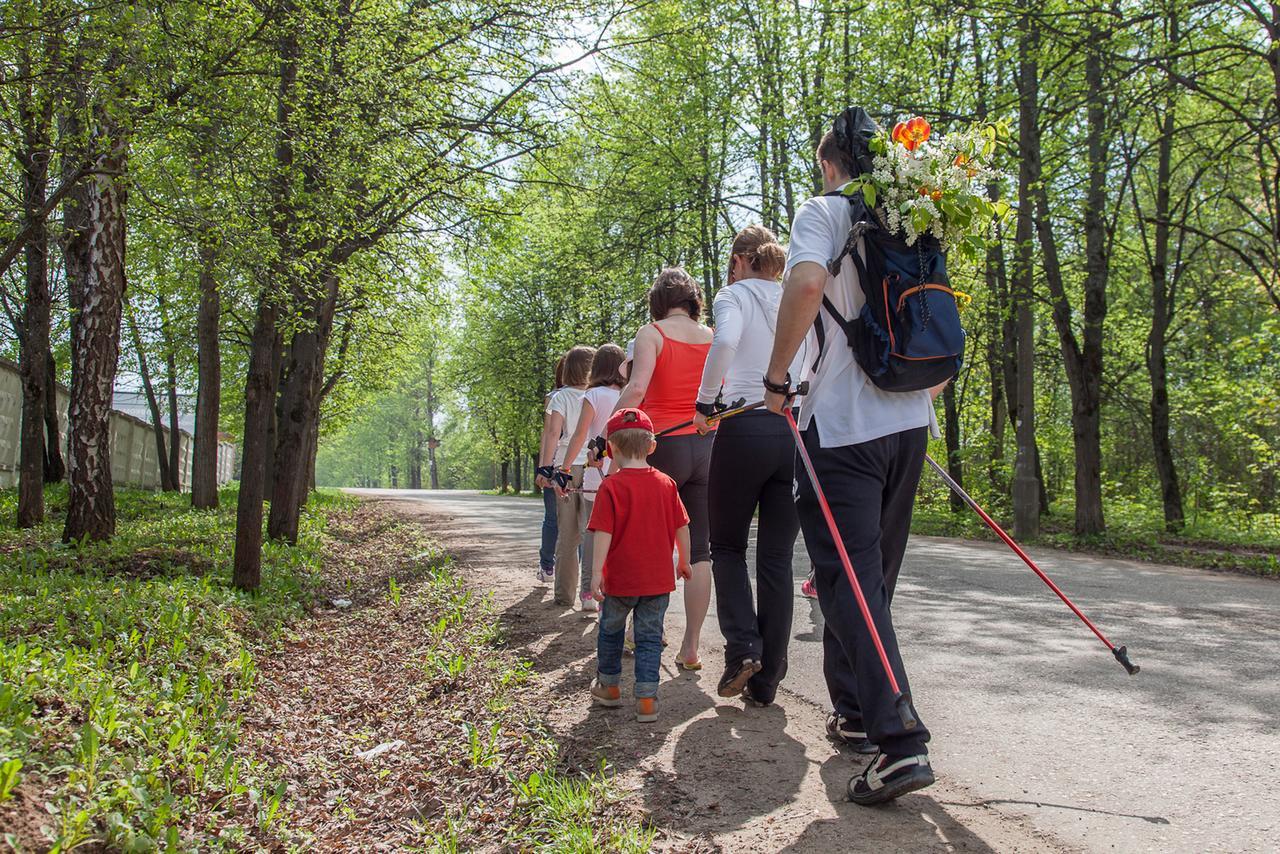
752,466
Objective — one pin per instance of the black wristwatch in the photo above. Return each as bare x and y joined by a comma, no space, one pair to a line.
707,409
783,388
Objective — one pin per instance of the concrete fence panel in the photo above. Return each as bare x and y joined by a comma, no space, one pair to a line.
133,442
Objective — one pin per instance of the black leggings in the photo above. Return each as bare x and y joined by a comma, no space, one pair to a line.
752,466
687,461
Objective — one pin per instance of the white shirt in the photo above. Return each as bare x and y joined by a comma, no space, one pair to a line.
746,316
848,407
602,398
568,402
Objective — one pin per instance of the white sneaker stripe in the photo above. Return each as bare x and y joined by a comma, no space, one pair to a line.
875,776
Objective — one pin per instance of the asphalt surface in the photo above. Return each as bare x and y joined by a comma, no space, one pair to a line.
1031,713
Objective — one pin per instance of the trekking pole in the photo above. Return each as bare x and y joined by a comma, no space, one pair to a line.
739,406
900,700
1121,653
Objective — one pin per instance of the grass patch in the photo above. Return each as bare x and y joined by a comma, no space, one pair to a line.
1134,531
121,665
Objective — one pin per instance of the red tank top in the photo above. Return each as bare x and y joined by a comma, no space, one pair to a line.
673,390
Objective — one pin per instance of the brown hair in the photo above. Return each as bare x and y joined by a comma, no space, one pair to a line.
674,288
829,150
577,366
632,443
560,372
606,367
760,247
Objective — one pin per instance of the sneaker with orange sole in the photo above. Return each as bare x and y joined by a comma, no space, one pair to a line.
646,709
607,695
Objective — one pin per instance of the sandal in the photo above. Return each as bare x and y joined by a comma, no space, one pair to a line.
691,666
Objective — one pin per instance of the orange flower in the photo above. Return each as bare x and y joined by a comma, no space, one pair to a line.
936,195
962,160
912,134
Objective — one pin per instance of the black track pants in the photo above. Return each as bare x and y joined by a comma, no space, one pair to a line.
871,488
752,464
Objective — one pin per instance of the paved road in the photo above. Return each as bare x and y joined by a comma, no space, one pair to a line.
1033,715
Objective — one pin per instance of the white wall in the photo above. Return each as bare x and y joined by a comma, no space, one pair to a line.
133,443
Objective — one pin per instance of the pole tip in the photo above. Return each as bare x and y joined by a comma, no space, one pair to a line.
905,712
1122,655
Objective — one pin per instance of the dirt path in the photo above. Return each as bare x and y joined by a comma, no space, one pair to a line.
713,775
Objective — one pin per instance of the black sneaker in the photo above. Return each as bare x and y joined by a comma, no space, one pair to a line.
735,677
846,732
889,777
749,697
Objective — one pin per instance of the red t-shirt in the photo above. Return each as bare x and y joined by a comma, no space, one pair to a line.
641,509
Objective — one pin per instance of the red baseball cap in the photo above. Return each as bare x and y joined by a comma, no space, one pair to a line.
628,419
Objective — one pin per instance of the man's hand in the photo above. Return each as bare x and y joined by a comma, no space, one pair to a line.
776,403
540,482
701,424
683,570
596,583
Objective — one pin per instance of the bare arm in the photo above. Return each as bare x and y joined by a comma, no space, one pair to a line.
648,345
682,546
551,428
801,300
599,551
579,437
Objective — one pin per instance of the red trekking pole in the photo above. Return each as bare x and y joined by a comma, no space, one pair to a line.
1121,653
900,700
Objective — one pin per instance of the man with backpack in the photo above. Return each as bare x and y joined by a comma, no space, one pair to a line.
867,447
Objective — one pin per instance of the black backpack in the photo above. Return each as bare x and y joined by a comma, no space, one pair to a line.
908,335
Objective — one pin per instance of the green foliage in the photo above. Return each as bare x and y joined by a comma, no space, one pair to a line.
123,666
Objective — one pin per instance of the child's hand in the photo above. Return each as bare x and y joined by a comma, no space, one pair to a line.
596,592
683,570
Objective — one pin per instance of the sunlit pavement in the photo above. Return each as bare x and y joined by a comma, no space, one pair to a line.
1030,712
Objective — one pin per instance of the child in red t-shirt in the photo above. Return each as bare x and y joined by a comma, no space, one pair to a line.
637,518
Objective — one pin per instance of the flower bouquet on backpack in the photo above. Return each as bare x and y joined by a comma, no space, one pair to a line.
915,196
924,183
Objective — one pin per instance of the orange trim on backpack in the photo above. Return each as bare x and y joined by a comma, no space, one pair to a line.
927,287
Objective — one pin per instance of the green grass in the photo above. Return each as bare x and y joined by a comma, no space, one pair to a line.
121,662
1239,542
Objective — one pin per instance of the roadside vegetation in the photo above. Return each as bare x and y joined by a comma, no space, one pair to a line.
128,670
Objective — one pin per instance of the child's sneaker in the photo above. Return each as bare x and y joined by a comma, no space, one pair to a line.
607,695
589,602
807,589
646,709
546,575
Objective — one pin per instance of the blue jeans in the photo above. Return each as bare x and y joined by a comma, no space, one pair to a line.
647,625
547,553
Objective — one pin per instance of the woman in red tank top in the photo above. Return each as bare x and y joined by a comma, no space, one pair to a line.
665,374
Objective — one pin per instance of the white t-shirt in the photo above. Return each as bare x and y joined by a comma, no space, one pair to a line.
602,399
568,402
849,408
746,318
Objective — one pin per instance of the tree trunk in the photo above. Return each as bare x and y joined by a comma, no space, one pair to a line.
204,462
298,412
954,465
259,400
171,389
37,387
505,467
415,450
97,293
157,424
54,469
1162,308
1026,497
431,423
517,460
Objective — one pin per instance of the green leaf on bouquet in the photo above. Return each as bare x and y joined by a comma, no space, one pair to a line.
869,194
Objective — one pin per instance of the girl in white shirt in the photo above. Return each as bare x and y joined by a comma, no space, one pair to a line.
751,468
608,376
562,415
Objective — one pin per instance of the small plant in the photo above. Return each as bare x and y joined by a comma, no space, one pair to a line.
9,778
394,593
482,750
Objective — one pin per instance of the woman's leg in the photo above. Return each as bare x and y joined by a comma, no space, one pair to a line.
732,494
775,590
697,590
547,553
569,537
